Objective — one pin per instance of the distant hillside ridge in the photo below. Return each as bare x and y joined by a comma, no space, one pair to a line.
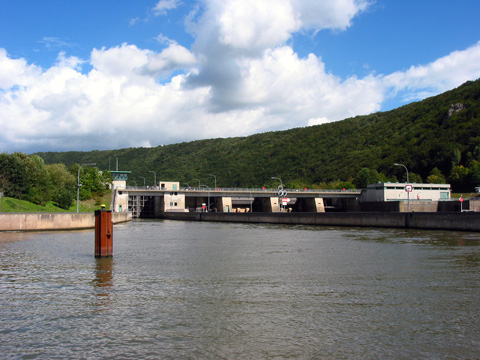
436,138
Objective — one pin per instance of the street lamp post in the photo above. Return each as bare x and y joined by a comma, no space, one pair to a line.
215,180
281,183
78,182
408,182
198,183
143,180
154,178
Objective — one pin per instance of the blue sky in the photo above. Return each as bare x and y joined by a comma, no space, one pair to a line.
84,75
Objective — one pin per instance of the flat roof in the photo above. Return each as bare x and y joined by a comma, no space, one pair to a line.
415,185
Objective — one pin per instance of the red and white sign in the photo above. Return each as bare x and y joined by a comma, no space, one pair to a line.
408,188
285,201
461,199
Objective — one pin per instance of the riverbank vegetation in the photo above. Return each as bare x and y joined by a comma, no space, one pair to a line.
27,178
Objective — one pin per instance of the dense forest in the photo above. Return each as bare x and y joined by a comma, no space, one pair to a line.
437,139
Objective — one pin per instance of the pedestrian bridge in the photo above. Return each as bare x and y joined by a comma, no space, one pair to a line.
153,201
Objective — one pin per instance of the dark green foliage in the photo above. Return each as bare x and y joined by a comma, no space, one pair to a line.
93,183
13,177
63,198
436,177
63,185
26,177
423,136
368,176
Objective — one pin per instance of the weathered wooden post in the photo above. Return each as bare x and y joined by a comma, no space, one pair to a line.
103,233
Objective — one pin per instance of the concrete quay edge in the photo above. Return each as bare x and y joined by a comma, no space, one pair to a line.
54,221
455,221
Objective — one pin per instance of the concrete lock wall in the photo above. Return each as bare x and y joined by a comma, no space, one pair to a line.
50,221
413,220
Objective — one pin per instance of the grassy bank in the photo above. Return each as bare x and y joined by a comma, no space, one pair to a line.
8,204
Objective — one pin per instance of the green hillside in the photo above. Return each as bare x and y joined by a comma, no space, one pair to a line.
441,133
9,205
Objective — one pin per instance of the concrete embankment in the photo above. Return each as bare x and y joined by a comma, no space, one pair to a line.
413,220
53,221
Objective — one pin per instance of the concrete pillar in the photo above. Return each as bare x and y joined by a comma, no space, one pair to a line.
314,205
319,205
158,205
274,204
225,204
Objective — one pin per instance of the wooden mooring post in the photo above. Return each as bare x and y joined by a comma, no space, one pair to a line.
103,233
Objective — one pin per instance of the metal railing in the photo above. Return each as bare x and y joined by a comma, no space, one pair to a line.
203,189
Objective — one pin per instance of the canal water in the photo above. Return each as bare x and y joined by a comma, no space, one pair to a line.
196,290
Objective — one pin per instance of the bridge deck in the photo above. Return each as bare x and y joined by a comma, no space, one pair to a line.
222,192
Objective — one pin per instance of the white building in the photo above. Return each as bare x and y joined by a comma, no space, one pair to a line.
398,192
172,199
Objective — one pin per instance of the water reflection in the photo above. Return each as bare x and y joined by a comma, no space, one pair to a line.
103,282
11,236
414,236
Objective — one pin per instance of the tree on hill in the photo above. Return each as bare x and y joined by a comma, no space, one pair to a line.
26,177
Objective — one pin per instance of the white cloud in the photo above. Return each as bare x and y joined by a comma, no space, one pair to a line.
236,80
70,61
51,42
318,121
170,59
328,14
234,35
16,72
163,5
255,24
438,76
129,61
119,61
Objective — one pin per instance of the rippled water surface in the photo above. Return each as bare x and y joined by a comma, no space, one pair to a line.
186,290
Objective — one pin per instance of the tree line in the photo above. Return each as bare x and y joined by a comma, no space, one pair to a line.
27,177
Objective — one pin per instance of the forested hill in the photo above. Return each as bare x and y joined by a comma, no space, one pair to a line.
439,134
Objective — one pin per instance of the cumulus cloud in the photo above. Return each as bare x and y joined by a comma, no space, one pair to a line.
16,72
130,61
240,77
232,35
438,76
163,6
